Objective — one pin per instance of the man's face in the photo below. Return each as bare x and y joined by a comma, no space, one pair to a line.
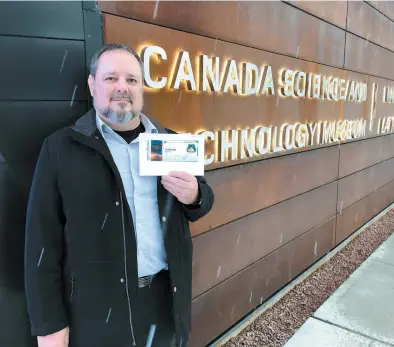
117,88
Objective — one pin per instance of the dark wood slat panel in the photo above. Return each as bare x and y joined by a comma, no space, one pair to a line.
25,124
331,11
57,19
227,250
359,155
15,181
366,57
274,26
386,7
219,308
355,187
363,20
361,212
14,320
249,188
54,70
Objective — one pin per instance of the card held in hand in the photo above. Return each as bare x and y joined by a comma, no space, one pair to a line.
163,153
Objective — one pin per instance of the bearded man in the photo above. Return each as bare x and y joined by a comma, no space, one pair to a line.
108,253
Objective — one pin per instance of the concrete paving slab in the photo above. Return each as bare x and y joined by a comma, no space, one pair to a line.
364,302
385,253
319,334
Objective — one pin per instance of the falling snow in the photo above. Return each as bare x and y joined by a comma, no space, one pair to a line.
64,60
109,314
39,261
105,219
73,97
156,8
216,42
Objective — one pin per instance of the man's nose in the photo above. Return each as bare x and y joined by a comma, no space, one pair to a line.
121,85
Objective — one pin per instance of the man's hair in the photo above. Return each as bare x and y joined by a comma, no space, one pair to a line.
112,47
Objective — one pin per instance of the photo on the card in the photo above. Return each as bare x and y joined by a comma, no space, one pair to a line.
156,150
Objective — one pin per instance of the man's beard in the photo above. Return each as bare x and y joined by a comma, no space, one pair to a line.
119,117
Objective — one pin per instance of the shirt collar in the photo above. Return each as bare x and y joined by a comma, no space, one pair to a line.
104,128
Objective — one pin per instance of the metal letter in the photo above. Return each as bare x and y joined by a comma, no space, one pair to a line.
342,89
251,82
316,86
232,78
247,142
210,136
300,92
301,138
225,144
185,76
147,53
260,139
287,79
268,84
209,77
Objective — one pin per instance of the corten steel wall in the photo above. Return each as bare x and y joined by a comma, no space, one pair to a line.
43,51
275,217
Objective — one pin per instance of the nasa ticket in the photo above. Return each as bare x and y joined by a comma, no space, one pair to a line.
162,153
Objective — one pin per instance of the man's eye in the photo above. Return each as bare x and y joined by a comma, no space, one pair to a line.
110,79
132,80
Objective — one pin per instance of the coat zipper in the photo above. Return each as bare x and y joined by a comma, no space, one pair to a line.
125,268
72,288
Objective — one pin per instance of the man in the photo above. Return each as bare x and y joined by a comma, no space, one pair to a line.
108,253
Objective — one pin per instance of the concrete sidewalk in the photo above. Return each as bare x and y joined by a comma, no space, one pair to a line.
360,313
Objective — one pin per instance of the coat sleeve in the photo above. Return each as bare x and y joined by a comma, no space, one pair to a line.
44,250
194,213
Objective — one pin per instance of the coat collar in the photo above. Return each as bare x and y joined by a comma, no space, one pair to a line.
87,124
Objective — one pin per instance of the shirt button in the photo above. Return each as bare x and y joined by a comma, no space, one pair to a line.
96,137
164,219
174,289
117,203
122,280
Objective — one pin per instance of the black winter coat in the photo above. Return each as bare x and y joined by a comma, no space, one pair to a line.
74,270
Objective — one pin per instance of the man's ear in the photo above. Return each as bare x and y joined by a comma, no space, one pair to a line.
91,84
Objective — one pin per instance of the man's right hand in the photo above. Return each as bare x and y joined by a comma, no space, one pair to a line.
58,339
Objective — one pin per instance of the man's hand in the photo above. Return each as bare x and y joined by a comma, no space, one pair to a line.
182,185
58,339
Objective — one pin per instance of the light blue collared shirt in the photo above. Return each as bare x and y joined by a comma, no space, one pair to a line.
141,193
